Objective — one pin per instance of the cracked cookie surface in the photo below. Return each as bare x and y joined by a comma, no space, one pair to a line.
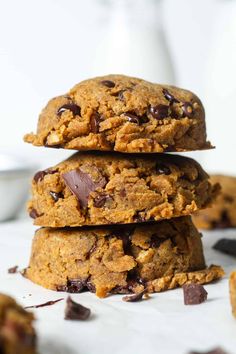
222,214
119,259
125,114
17,334
100,189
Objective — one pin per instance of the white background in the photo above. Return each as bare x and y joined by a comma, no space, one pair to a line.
47,46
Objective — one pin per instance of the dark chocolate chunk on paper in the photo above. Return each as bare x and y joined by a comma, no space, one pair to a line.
226,245
75,311
194,294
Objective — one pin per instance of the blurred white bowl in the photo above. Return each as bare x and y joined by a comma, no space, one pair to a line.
15,174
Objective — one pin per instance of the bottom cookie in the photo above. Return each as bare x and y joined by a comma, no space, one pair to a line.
123,259
17,334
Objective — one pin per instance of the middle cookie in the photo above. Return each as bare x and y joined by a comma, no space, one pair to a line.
99,189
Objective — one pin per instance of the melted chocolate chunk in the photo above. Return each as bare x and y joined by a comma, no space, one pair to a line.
124,234
81,185
13,270
133,118
48,303
188,109
33,214
108,83
101,200
74,108
162,169
160,111
217,350
169,96
194,294
226,245
95,120
75,311
134,297
55,196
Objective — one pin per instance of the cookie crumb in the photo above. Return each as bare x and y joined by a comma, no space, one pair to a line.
136,297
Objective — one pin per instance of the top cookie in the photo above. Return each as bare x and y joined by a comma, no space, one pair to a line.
121,113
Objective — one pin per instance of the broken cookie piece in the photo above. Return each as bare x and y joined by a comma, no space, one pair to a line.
17,334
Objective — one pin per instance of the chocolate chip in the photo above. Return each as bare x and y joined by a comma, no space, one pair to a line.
91,287
160,111
75,311
134,297
156,241
101,200
108,83
133,118
223,223
188,109
55,196
169,96
74,108
124,234
217,350
75,285
81,185
48,303
123,192
13,270
228,198
33,214
119,94
161,169
39,176
138,217
226,245
95,122
194,294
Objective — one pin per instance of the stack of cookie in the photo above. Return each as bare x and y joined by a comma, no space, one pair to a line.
116,220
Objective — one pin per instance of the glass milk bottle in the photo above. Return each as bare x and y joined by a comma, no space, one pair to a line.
133,42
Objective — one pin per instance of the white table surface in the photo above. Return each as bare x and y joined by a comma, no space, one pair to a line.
160,325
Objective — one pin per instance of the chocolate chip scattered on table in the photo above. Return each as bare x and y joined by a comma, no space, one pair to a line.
194,294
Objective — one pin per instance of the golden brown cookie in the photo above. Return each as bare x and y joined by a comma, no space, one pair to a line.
17,334
223,212
117,259
232,289
125,114
96,189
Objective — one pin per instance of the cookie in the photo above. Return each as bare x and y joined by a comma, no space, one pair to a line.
99,189
223,212
17,334
120,259
125,114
